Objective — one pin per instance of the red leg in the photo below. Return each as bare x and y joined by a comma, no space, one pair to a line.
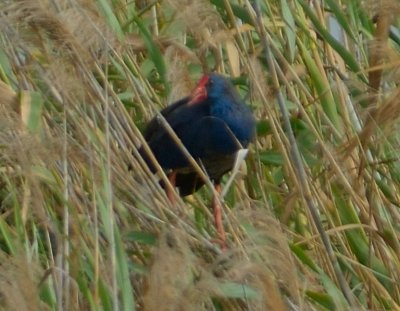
168,191
216,205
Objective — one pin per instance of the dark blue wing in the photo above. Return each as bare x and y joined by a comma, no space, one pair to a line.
210,137
154,127
181,118
210,140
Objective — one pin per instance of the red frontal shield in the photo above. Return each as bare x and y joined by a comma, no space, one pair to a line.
200,92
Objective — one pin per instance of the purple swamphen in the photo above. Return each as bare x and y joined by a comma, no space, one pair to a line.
213,123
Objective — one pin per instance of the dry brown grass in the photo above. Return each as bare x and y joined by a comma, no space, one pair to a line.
79,231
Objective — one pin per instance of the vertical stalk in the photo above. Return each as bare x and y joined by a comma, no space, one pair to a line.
296,158
109,202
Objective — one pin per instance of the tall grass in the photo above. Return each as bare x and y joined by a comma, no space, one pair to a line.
313,225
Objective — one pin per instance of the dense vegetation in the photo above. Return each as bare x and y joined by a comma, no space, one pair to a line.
312,218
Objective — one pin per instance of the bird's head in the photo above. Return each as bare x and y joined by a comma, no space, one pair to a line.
210,86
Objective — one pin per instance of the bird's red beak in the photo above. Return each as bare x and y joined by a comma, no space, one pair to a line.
200,92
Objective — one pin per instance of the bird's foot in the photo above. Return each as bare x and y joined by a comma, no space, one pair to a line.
221,243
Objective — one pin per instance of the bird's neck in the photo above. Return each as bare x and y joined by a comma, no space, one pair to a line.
224,108
236,115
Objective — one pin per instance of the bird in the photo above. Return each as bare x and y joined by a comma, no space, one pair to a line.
213,123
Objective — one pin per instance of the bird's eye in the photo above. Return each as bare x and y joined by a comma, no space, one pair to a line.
210,82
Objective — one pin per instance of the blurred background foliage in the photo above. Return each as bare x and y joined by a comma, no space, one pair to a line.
312,219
